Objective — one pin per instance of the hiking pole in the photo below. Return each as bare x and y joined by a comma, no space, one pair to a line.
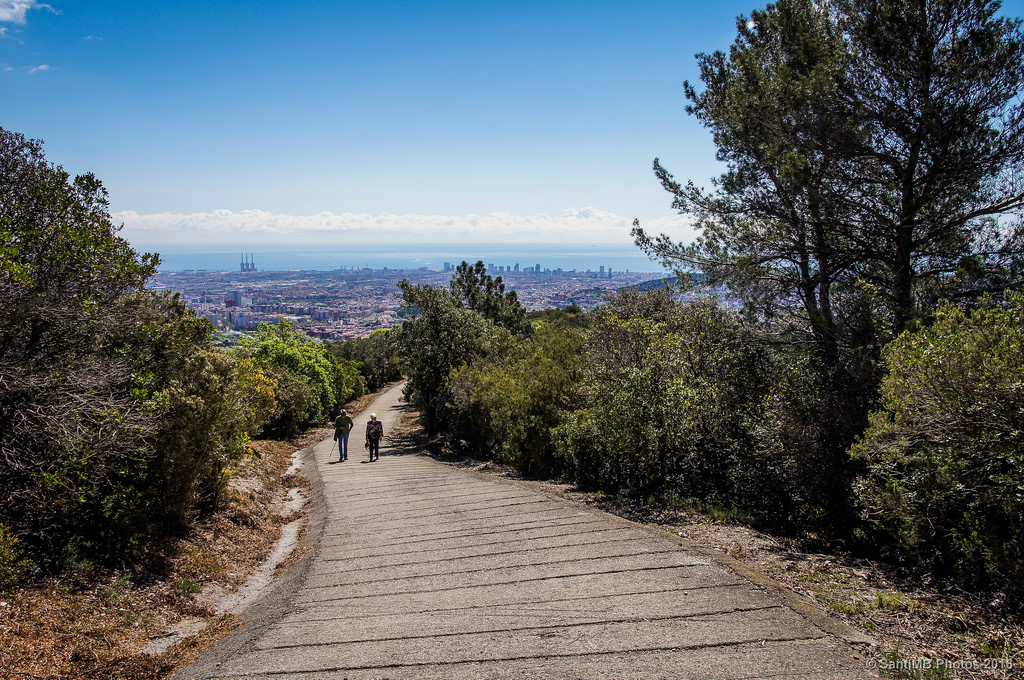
329,453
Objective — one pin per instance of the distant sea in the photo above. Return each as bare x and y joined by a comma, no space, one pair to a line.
409,256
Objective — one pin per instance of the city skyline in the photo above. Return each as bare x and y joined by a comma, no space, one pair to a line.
337,305
247,264
408,256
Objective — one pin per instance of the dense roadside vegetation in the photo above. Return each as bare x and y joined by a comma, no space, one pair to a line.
119,418
868,395
129,471
95,624
867,398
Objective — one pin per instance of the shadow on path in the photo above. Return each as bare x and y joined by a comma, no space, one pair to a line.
423,570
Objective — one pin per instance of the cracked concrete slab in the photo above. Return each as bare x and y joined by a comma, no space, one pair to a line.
419,570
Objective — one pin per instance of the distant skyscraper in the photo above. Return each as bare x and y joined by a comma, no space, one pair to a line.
517,267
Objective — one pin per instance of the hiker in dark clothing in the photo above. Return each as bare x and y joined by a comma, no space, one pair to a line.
374,433
342,427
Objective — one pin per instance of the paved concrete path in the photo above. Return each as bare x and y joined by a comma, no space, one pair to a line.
420,570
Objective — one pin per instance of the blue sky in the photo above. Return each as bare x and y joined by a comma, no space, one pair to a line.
219,122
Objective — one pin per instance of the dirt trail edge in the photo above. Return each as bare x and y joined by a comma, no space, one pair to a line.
420,570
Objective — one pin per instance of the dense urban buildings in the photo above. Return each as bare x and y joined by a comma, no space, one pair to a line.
348,303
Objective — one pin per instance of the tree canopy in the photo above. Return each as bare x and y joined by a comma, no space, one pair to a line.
70,422
944,485
311,381
473,288
118,417
867,142
446,328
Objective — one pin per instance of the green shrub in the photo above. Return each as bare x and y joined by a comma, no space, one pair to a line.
944,481
801,435
691,401
13,565
375,356
117,415
445,329
667,395
311,381
510,398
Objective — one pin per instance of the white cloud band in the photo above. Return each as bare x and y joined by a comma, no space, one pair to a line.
586,225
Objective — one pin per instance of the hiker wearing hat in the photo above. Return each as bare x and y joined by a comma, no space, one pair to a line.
374,433
342,426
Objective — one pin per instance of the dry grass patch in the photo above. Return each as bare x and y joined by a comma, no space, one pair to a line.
94,624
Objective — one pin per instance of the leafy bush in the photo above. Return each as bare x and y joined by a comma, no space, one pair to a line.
445,330
311,383
669,391
13,566
117,416
510,399
192,408
944,481
695,404
376,356
71,426
808,418
207,402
